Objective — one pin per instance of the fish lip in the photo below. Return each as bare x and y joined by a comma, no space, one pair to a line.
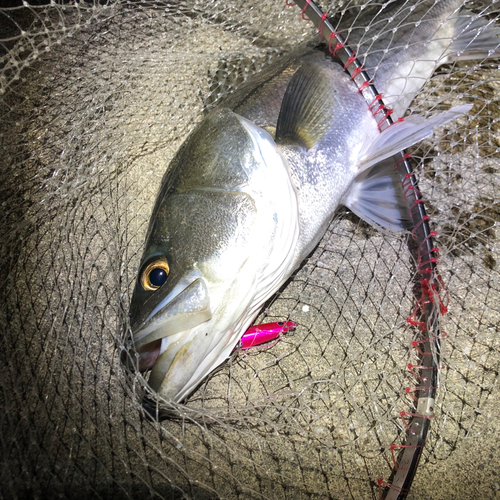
186,306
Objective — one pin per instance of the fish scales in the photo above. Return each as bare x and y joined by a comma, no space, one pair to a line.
255,186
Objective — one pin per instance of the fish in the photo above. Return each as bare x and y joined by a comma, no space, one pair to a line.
252,190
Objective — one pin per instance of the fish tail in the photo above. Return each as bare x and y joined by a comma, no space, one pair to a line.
474,37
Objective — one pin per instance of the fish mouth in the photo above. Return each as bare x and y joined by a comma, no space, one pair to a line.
178,312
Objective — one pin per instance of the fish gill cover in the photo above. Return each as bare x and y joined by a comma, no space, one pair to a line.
96,98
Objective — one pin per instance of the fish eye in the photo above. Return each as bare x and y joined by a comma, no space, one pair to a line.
155,274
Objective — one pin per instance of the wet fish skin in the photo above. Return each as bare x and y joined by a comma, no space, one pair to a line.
238,211
228,193
428,34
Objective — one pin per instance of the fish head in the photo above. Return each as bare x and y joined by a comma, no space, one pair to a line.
206,266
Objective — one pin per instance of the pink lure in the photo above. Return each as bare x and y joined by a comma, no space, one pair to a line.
259,334
253,337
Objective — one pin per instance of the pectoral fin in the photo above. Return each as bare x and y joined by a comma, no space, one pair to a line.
305,115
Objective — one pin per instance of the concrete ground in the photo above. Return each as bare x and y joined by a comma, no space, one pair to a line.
89,130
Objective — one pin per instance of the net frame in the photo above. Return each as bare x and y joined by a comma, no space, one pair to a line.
26,398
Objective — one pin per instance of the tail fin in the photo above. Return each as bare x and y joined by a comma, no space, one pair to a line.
402,44
475,38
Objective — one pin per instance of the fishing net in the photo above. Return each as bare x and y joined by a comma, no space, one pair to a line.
96,97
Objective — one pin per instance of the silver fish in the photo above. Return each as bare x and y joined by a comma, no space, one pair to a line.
255,186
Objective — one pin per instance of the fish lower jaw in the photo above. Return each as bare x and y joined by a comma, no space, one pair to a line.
218,354
211,361
206,350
